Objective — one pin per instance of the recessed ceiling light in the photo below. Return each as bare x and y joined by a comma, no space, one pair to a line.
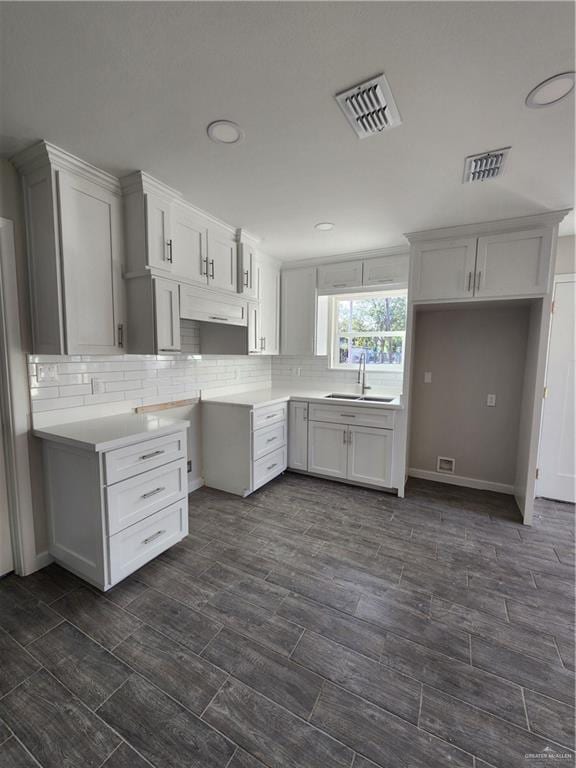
324,226
551,91
225,132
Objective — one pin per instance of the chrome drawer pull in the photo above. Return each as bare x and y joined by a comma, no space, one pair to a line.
272,416
217,317
154,536
348,415
153,493
271,466
151,455
271,439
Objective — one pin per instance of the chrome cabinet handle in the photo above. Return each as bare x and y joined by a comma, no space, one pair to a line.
469,281
212,269
246,278
262,343
344,437
348,415
169,257
153,537
153,493
271,439
272,416
151,455
203,262
479,281
271,466
217,317
121,335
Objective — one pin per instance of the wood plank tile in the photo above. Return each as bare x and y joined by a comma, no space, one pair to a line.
381,736
477,623
270,733
176,670
251,562
14,755
125,757
25,621
321,590
174,620
96,616
456,678
344,629
186,559
17,664
253,621
50,583
242,759
551,718
180,585
267,672
222,577
542,614
123,594
451,641
55,726
490,738
84,667
163,731
383,686
5,732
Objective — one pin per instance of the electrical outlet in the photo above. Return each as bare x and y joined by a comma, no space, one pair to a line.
298,371
47,372
491,400
427,377
98,386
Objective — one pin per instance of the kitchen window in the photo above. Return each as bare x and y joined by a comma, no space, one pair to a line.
369,323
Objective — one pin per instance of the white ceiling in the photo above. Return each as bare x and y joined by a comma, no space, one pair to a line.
133,85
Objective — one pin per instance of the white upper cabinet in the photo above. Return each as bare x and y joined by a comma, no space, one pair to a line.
513,264
443,269
166,315
222,259
298,311
248,283
386,269
159,245
346,274
255,345
269,278
75,252
189,238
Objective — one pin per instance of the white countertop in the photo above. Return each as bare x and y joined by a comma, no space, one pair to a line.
111,431
261,397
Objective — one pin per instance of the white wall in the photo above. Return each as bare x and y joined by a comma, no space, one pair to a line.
566,255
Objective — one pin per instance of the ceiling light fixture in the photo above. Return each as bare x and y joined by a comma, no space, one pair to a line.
225,132
324,226
551,91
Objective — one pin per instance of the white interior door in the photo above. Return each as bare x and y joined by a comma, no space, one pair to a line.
6,561
557,454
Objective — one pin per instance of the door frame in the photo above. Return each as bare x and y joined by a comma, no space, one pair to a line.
567,277
15,405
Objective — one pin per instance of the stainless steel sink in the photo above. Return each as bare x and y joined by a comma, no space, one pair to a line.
360,398
336,396
375,399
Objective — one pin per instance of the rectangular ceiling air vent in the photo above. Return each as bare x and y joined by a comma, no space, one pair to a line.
369,107
487,165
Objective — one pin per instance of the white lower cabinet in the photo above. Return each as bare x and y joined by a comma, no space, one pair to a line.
370,455
298,435
327,449
111,511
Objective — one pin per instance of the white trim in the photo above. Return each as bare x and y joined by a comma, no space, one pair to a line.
314,261
194,483
42,560
466,482
15,405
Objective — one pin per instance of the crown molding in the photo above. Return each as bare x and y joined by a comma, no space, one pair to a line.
43,154
547,218
395,250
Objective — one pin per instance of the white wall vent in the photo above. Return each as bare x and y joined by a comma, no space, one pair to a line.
446,465
369,107
487,165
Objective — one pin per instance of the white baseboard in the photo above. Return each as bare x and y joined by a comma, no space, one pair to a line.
466,482
194,483
41,560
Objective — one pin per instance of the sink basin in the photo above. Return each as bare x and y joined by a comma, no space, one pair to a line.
375,399
336,396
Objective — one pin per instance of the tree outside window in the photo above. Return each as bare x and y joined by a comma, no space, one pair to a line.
369,323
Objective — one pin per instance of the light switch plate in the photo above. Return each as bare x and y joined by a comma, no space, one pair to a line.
46,372
491,400
427,377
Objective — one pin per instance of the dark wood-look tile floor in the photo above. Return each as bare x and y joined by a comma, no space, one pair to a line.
312,625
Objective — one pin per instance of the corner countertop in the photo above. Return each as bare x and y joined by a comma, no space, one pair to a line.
111,432
261,397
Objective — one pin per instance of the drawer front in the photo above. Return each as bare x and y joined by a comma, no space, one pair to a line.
133,547
269,467
202,304
137,498
272,414
135,459
268,439
348,414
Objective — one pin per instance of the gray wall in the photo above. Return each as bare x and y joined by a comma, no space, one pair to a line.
470,352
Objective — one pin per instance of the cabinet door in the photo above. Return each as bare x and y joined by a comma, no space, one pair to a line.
91,250
298,311
370,455
189,236
255,345
167,315
388,269
327,449
248,274
270,307
444,269
347,274
298,436
159,246
222,260
513,264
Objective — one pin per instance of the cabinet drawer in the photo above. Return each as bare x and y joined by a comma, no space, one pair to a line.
267,468
202,304
272,414
135,459
134,546
267,440
134,499
348,414
346,274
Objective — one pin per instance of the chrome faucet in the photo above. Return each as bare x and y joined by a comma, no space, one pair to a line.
362,373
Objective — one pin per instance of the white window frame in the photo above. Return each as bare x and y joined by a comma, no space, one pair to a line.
335,334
